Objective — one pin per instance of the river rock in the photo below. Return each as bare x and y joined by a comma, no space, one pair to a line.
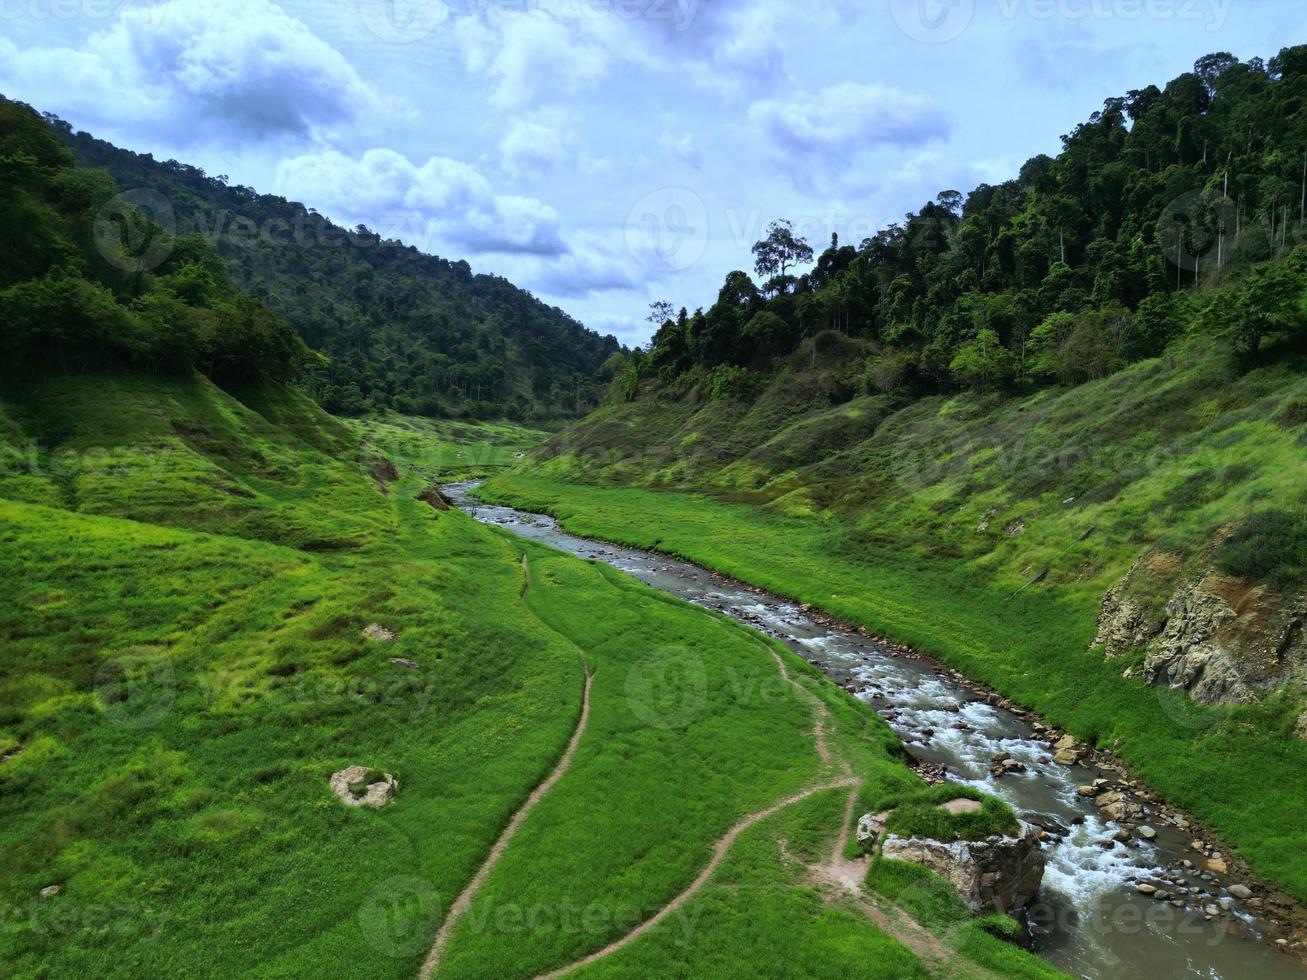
377,793
1146,832
1002,872
1216,865
1240,891
1143,888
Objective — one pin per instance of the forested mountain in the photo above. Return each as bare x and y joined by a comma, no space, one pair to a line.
74,291
403,330
1168,210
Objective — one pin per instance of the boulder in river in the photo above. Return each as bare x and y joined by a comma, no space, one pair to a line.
1000,872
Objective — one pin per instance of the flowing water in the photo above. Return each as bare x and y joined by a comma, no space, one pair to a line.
1089,920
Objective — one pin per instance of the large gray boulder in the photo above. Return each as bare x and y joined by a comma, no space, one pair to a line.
999,872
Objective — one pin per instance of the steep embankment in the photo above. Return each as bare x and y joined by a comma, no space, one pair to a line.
986,530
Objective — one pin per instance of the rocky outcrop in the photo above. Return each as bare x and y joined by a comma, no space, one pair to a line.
435,498
998,872
361,786
1227,640
1126,619
1222,639
871,827
379,634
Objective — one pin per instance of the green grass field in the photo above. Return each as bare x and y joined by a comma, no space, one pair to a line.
898,519
185,576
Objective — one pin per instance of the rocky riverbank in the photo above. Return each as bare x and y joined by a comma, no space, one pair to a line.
1140,814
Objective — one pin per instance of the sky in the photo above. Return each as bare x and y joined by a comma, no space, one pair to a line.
609,153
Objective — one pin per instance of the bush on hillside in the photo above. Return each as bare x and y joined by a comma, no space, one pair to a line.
1269,546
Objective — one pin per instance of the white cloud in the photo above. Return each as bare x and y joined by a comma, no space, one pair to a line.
197,70
439,204
537,49
594,263
533,149
848,117
682,146
531,54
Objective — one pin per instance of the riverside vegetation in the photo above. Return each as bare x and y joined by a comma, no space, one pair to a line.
214,595
1051,434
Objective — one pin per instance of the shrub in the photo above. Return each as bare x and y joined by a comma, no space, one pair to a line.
728,381
1269,546
917,814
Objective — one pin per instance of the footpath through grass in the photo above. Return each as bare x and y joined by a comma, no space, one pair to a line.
1232,767
185,575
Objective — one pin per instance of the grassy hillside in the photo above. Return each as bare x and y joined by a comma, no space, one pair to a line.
186,574
984,529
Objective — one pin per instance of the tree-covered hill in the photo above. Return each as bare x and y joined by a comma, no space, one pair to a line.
403,330
1170,209
79,284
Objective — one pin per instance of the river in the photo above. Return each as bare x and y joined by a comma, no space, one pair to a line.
1089,920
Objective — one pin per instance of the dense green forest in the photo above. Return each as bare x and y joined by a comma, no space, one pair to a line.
403,330
73,289
1169,210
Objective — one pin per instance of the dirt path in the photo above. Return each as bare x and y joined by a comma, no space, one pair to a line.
841,878
719,854
821,715
464,900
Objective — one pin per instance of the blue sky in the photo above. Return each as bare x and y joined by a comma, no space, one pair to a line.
606,153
